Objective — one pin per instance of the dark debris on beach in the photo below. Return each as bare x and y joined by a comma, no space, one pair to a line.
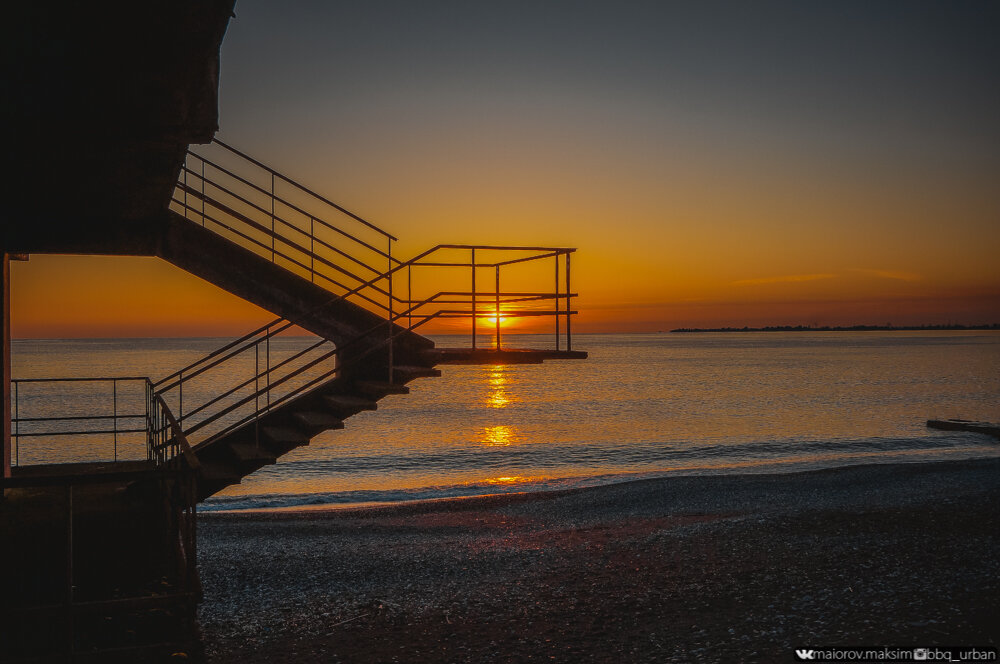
717,569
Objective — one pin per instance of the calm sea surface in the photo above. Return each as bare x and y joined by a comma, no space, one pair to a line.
641,406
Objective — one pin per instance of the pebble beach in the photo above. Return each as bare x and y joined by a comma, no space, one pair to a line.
679,569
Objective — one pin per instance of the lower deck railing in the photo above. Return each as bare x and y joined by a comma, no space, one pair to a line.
94,420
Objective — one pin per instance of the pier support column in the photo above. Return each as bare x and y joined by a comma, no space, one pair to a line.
5,362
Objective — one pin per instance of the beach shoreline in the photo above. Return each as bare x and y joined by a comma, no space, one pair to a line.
682,568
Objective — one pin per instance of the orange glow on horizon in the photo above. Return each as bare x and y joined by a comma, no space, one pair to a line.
121,296
821,198
493,318
115,296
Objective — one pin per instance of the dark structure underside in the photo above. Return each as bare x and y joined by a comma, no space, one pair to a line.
102,100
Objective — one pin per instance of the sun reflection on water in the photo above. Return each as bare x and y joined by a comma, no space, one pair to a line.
513,479
500,435
497,379
498,399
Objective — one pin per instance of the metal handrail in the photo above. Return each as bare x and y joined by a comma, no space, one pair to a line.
276,217
274,197
303,188
275,252
156,417
297,247
74,379
242,344
334,299
410,309
167,435
315,218
302,249
330,374
218,351
255,378
261,392
60,426
395,265
324,377
178,433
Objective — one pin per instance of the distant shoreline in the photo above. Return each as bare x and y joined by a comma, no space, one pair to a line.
851,328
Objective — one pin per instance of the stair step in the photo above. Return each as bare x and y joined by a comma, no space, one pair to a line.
405,373
318,421
345,403
220,473
378,389
286,436
252,453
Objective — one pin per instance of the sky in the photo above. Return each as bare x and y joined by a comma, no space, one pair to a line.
715,163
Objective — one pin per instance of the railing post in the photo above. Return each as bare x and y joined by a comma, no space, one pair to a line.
114,410
149,422
17,426
187,211
569,337
498,306
409,296
312,249
473,299
159,430
69,568
154,428
203,193
272,216
5,370
556,308
180,397
389,255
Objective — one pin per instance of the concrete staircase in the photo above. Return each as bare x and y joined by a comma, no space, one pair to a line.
226,459
271,241
246,274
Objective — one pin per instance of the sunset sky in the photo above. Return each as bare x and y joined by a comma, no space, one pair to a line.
716,163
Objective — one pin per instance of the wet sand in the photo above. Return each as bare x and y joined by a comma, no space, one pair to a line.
680,569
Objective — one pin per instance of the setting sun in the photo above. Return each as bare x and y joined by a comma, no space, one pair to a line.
494,319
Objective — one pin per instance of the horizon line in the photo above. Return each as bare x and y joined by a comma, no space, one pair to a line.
724,328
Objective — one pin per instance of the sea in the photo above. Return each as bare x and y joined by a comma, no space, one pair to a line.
641,406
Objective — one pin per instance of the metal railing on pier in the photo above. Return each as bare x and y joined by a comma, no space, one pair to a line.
62,416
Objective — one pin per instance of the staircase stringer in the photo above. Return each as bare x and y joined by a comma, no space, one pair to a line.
256,280
275,432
